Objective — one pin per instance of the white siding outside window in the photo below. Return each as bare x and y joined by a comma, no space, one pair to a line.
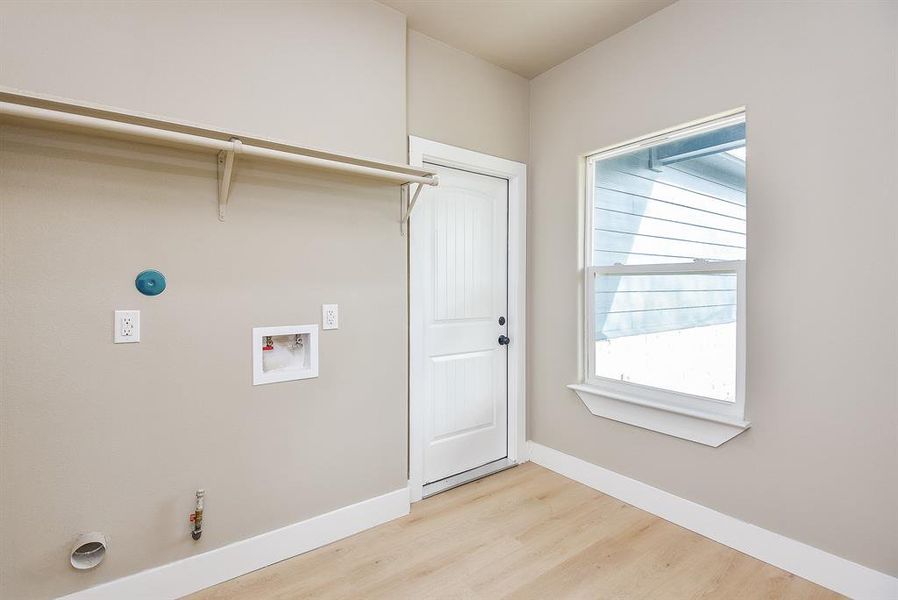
665,276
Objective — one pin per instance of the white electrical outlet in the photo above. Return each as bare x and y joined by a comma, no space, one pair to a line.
330,316
127,327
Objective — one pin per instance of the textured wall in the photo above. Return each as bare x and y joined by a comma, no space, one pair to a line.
459,99
116,438
316,73
819,83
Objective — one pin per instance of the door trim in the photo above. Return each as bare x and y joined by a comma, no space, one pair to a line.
421,150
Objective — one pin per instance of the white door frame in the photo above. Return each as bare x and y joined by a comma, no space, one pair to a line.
420,151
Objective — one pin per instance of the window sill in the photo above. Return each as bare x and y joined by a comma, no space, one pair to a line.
704,428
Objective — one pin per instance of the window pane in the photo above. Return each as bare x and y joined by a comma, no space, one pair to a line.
672,203
669,331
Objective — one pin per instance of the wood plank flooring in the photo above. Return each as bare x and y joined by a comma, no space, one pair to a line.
525,533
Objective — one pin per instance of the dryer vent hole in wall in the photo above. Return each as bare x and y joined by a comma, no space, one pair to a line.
88,551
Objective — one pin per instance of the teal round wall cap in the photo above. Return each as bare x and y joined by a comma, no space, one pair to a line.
150,282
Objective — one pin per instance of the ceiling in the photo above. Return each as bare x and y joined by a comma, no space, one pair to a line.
526,37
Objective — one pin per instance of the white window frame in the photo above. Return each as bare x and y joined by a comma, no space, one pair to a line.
705,420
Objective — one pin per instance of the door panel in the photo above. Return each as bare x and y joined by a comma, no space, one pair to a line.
465,404
461,390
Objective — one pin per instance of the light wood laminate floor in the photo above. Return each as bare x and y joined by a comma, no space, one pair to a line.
523,533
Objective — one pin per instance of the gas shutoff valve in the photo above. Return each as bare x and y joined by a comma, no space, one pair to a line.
197,516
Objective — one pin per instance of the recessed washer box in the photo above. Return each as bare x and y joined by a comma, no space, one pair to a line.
284,353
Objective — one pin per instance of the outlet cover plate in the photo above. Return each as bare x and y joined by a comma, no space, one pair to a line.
330,316
126,327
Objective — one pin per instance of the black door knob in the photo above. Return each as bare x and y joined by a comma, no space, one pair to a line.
503,340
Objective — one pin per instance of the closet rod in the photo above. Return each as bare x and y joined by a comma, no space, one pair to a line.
198,141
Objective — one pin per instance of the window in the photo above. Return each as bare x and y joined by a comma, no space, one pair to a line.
665,276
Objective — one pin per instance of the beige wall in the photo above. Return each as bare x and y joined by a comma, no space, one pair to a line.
116,438
318,73
459,99
819,83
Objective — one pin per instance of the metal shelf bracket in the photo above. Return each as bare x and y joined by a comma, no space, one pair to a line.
66,113
406,215
227,160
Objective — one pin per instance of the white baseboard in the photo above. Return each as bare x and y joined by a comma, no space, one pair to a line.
195,573
813,564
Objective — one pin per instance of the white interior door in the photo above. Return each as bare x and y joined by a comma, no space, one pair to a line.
465,412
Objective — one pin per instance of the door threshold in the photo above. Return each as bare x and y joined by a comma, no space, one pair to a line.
453,481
